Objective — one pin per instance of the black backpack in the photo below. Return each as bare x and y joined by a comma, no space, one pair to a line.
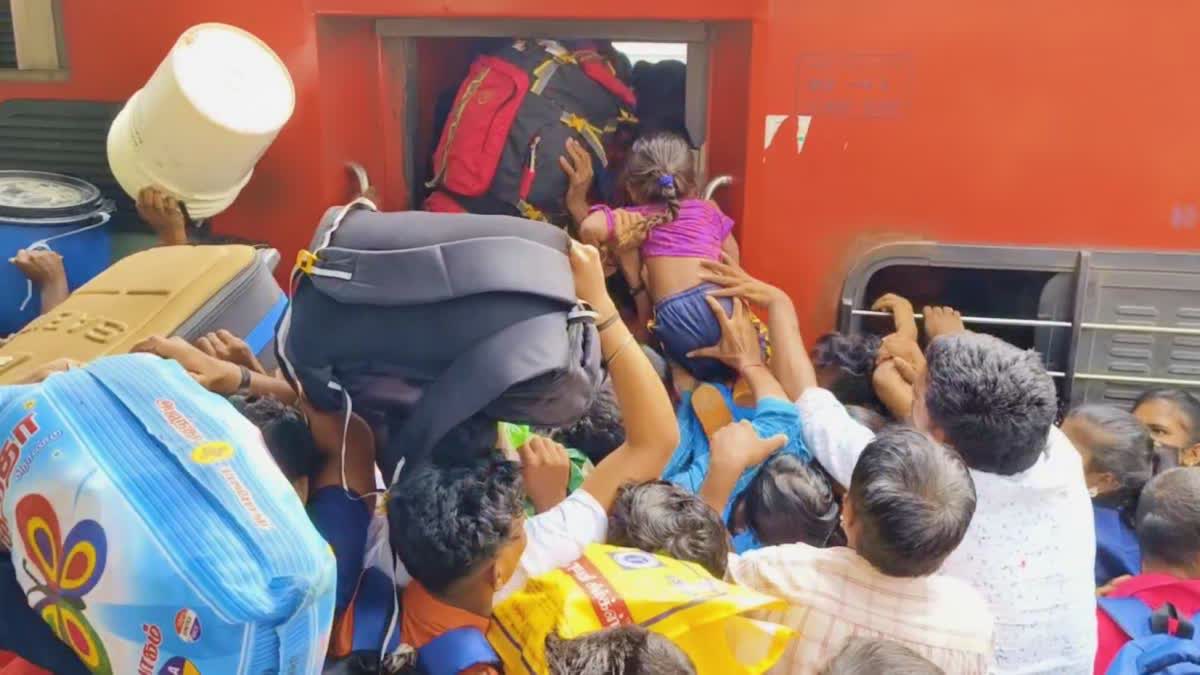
510,122
440,325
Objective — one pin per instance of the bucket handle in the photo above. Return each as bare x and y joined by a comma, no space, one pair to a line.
102,217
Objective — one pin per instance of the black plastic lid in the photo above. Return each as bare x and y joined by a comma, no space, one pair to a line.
31,195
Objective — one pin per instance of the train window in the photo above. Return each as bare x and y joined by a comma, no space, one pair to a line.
31,45
1109,324
434,56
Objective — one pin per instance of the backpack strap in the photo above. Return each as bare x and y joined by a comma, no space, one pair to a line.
455,651
473,381
1130,614
443,272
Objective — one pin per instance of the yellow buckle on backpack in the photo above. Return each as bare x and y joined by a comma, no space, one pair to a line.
306,261
589,132
531,212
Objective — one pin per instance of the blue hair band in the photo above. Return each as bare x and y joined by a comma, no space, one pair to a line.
666,181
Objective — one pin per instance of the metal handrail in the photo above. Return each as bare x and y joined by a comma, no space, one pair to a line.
1050,323
1101,377
714,184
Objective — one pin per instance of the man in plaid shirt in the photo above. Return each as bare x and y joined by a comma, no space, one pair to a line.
908,506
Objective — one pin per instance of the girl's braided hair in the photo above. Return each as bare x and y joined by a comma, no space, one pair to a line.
660,170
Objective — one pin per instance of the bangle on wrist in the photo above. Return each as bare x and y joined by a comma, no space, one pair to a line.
617,352
244,384
607,323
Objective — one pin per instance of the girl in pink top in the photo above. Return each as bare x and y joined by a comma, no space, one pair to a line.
662,242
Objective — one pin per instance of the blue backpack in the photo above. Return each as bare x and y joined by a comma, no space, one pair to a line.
1159,641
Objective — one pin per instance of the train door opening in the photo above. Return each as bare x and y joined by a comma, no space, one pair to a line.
428,59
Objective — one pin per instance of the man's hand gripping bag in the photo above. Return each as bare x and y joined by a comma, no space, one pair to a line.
436,326
611,586
151,529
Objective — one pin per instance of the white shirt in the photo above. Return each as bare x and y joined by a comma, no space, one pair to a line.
557,538
1030,548
834,594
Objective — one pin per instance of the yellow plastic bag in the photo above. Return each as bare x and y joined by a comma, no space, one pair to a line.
612,586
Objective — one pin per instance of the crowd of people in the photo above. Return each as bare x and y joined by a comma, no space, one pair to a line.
911,499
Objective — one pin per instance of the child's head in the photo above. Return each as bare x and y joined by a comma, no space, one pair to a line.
1173,418
599,432
845,364
862,656
909,503
660,170
661,517
1168,523
1117,451
286,435
789,501
459,529
621,650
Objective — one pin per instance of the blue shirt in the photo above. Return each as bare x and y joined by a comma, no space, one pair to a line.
689,464
1117,550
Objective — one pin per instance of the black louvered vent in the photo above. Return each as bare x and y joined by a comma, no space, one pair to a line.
8,41
66,137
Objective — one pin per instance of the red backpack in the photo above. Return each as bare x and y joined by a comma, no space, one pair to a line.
509,125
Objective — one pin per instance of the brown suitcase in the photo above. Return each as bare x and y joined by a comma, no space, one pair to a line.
176,290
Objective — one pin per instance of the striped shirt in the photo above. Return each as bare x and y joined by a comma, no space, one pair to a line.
834,595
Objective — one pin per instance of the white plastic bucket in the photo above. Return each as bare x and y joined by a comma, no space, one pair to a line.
199,126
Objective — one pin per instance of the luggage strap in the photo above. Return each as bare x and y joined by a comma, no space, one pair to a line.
589,132
473,381
442,272
547,68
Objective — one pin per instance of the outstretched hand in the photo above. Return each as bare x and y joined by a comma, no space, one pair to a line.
546,472
215,375
738,347
41,266
588,271
740,445
228,347
736,282
164,214
902,314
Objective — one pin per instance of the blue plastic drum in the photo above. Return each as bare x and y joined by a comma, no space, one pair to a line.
47,210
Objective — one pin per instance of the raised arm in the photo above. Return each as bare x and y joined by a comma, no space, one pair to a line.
215,375
734,448
651,432
45,269
902,314
789,360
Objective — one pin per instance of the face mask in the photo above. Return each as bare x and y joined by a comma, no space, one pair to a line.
745,541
